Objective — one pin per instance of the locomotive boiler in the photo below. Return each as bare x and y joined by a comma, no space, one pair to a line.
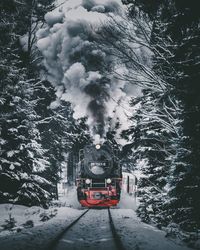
99,176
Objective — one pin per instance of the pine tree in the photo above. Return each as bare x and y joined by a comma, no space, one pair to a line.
175,37
22,156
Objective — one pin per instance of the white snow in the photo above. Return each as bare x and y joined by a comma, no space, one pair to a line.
12,152
69,199
93,232
138,235
40,236
12,167
128,201
21,214
134,233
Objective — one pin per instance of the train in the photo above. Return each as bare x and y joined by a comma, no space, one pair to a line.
129,183
99,176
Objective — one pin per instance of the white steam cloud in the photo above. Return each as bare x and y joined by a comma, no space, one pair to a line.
80,72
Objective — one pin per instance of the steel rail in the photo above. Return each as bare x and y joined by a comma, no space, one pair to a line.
116,237
52,245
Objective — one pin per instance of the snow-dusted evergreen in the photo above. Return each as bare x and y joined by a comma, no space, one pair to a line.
174,41
151,45
34,135
158,45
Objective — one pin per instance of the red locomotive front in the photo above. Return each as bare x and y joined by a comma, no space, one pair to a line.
98,177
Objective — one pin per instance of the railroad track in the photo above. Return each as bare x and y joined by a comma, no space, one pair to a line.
116,237
94,229
59,237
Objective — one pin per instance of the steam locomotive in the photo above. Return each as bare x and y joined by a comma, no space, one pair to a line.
99,176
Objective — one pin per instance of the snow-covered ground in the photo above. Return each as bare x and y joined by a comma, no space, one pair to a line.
92,232
138,235
41,235
128,201
134,233
14,218
33,228
70,198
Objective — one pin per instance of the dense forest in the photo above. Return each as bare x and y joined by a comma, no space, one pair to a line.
167,132
163,139
35,138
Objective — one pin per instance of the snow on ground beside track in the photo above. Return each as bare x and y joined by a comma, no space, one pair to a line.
134,233
64,207
22,214
69,198
128,201
40,236
138,235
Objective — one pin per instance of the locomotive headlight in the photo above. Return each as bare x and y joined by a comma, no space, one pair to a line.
98,146
108,181
87,181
